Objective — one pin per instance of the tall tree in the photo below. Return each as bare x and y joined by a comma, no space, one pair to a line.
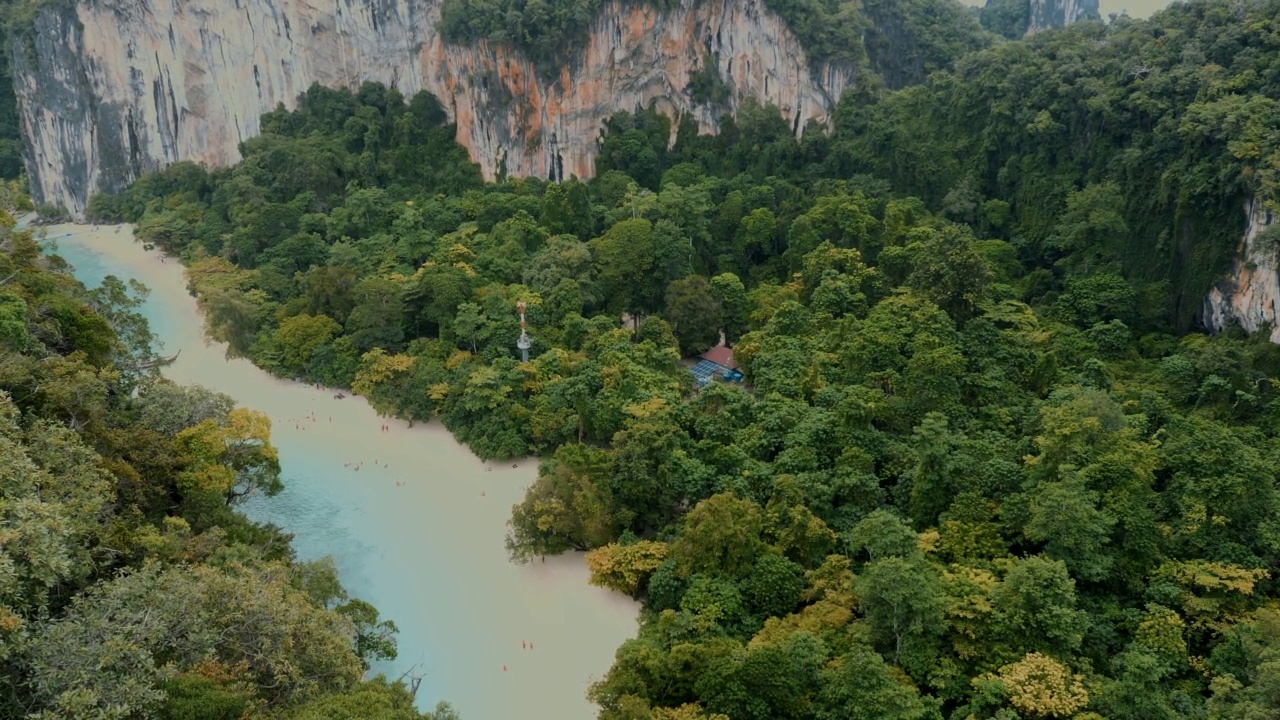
694,314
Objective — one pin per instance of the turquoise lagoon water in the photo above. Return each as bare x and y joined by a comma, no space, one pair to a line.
427,551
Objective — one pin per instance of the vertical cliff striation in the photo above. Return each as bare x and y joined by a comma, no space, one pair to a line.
115,88
1249,294
1046,14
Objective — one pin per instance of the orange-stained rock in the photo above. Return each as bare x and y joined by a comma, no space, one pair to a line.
128,86
1247,296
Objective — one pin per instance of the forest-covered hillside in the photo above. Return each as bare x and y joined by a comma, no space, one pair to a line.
983,464
130,586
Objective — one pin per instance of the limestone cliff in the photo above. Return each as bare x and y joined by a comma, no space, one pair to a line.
1249,294
115,88
1047,14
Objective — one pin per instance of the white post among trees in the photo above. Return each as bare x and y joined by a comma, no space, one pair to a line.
525,342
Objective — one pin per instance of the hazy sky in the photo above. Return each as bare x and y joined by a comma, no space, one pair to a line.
1135,8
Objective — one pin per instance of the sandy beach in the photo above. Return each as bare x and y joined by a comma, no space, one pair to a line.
414,520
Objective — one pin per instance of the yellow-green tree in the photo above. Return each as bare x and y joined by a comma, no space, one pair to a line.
299,336
1040,686
382,378
721,536
568,506
230,459
625,568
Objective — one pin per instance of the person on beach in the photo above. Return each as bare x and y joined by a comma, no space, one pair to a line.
523,644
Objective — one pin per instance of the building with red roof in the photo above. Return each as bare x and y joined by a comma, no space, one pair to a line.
722,356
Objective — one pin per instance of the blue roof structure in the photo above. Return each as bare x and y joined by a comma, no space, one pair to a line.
705,371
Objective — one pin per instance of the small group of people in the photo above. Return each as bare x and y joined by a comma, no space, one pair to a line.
524,644
357,464
311,415
385,427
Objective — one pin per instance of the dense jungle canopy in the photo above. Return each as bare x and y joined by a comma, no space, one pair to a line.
984,464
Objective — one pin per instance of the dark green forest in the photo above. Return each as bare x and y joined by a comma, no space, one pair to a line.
984,464
15,17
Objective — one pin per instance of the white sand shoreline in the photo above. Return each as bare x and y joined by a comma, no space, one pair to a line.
428,551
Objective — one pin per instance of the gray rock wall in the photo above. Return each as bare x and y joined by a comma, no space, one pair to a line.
119,87
1248,295
1047,14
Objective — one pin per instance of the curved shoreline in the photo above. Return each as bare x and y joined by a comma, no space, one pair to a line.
427,552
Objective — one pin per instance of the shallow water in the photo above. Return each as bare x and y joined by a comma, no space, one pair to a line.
428,552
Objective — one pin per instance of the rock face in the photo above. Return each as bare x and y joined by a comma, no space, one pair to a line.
1249,295
1047,14
116,88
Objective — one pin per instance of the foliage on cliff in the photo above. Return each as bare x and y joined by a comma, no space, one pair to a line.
14,17
980,468
903,40
1006,18
1148,135
129,584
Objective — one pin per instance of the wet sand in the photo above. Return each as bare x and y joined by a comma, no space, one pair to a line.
428,552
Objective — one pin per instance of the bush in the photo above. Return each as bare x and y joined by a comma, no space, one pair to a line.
48,212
